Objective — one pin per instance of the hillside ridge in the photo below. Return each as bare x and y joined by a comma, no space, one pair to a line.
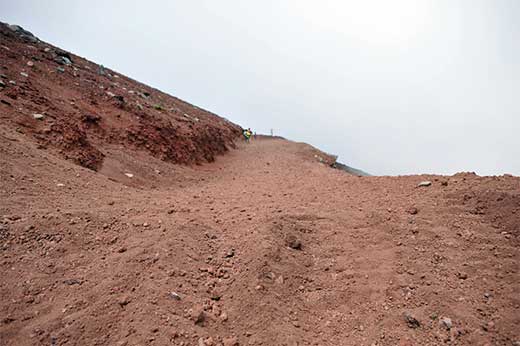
75,107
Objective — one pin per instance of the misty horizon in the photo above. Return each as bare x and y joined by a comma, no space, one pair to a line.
406,87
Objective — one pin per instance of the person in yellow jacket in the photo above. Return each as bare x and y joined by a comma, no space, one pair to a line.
247,135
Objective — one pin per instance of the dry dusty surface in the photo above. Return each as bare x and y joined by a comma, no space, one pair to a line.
266,245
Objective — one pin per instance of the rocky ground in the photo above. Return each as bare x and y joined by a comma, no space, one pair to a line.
75,108
265,245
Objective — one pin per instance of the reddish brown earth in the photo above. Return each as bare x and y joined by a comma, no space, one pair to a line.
87,107
264,246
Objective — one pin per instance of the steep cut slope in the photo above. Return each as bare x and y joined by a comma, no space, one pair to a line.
78,108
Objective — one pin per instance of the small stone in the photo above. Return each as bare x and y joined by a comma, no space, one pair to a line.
223,317
12,82
230,253
412,210
2,84
124,301
30,63
129,175
38,116
293,242
71,282
47,50
462,275
411,321
66,60
23,74
446,323
175,296
425,183
198,315
121,249
60,69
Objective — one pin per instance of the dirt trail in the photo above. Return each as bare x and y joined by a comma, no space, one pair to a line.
265,246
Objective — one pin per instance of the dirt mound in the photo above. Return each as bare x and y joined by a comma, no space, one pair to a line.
76,108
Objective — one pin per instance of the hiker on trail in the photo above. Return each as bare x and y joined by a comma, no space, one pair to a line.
247,135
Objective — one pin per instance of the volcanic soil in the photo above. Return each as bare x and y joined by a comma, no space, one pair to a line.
124,235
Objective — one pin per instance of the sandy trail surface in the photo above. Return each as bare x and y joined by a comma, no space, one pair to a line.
265,246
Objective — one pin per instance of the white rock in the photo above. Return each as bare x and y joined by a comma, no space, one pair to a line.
24,74
38,116
129,175
175,296
446,323
424,183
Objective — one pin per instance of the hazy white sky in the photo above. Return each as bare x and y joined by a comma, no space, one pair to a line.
392,87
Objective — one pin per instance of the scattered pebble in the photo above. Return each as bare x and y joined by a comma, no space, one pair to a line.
23,74
129,175
124,301
175,296
230,253
412,210
424,183
223,317
198,315
411,321
38,116
462,275
446,323
293,242
66,60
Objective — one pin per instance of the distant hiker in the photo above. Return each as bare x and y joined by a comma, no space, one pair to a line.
247,135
